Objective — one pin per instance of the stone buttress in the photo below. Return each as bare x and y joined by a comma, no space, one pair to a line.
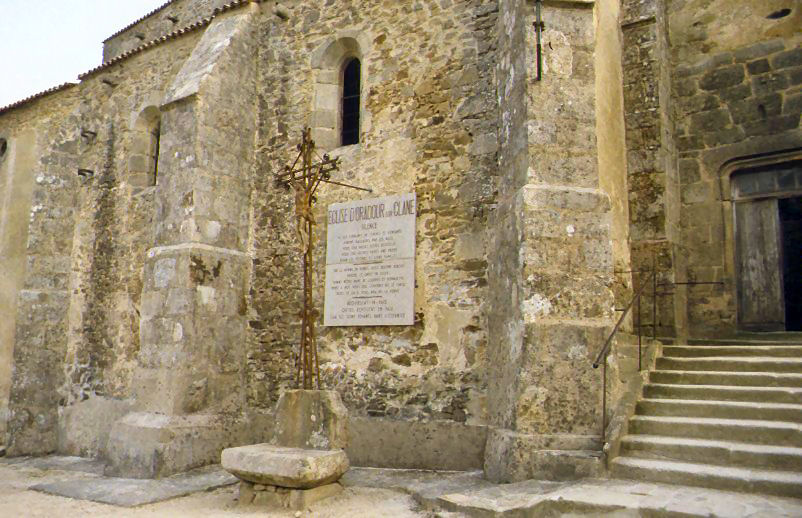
189,381
551,276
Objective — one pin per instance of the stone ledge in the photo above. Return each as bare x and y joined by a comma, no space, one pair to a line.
513,457
160,250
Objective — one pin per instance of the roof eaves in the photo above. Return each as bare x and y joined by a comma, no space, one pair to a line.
167,37
139,20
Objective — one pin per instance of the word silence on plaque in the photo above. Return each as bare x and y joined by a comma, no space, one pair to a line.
370,262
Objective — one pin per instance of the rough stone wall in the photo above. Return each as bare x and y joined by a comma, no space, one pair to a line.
168,18
429,126
555,253
16,190
568,257
42,295
737,92
611,139
111,239
652,170
505,279
193,317
78,313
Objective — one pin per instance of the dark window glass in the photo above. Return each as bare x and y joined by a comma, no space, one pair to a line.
157,137
350,104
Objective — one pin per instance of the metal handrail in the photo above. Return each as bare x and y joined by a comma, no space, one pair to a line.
602,356
606,349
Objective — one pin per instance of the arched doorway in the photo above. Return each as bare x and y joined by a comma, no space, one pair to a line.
767,204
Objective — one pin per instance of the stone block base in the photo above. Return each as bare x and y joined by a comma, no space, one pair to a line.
513,457
311,419
288,498
148,445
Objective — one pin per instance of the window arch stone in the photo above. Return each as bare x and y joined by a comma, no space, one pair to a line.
143,162
329,62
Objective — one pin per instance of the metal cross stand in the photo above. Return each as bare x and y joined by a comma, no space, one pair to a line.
305,176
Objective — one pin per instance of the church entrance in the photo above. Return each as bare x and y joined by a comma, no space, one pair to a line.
768,246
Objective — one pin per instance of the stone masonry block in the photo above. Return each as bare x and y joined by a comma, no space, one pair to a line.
735,93
724,136
722,77
756,108
325,118
709,120
768,83
758,67
140,163
280,497
792,104
772,126
327,97
789,58
314,419
794,76
689,170
685,87
758,50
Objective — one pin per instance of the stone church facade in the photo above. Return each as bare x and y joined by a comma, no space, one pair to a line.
150,287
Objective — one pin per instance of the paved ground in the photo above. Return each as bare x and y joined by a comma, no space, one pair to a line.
18,499
371,493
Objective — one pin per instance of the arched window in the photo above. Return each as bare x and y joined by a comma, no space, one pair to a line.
143,163
339,115
350,102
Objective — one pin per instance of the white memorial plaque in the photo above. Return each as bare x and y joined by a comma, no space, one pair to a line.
370,262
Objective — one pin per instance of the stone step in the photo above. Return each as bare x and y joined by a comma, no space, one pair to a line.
720,409
723,393
697,351
726,453
778,433
751,379
781,483
612,498
725,363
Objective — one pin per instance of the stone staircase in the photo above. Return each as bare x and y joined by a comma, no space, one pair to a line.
719,416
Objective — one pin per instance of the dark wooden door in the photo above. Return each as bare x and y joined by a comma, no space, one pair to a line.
758,250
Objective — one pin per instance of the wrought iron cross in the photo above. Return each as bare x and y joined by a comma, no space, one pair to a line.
305,176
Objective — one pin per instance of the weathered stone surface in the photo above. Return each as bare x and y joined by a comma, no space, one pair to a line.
166,284
126,492
312,419
285,467
295,499
415,445
150,445
722,78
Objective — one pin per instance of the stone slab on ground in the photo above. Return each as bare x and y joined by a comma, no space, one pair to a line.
127,492
285,467
595,497
467,494
16,500
425,486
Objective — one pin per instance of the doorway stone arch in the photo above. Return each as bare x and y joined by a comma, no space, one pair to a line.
765,202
